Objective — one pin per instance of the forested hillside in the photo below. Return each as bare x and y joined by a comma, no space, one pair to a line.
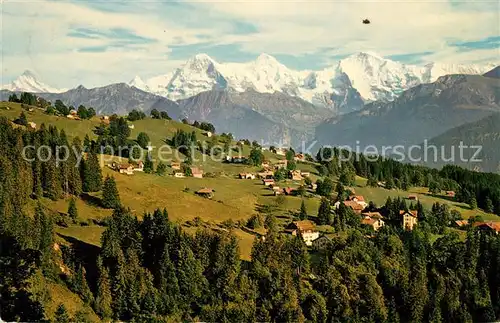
153,269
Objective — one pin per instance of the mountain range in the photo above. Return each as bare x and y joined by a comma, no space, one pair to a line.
362,97
418,114
344,86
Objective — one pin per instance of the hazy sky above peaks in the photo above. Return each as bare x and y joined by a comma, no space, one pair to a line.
94,43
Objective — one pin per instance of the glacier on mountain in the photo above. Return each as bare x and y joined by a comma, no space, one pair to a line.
28,82
372,76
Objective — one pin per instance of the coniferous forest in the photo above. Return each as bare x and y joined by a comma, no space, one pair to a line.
150,270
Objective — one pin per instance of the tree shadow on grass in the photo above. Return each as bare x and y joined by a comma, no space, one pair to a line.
87,254
91,200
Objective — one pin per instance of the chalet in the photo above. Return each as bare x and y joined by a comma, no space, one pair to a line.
355,206
175,165
289,191
265,164
196,172
105,119
280,151
305,174
205,192
73,117
268,181
73,112
139,167
208,134
358,199
409,219
321,243
266,174
412,197
295,175
299,157
179,174
450,194
32,125
125,169
306,229
313,186
375,215
281,164
490,226
246,176
375,222
276,189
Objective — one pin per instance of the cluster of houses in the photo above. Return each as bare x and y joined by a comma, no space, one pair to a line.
127,168
489,226
177,171
409,219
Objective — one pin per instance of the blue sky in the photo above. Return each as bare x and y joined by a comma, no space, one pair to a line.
94,43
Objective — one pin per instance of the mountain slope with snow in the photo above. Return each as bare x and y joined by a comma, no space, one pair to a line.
28,82
343,86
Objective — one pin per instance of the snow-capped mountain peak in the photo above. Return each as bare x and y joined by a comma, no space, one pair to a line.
28,82
366,74
137,82
266,59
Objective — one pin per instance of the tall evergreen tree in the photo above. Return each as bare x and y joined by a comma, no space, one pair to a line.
92,174
148,165
161,169
110,196
72,210
303,211
103,299
324,212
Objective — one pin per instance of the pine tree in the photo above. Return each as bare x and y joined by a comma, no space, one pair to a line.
103,299
46,235
81,286
92,174
110,196
324,212
143,140
303,211
72,210
488,205
86,143
23,120
61,315
148,165
473,203
53,185
161,169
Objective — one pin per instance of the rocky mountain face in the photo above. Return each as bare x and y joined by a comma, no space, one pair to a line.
270,117
484,133
117,98
256,116
420,113
494,73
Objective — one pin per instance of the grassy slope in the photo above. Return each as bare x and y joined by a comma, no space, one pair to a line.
234,199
